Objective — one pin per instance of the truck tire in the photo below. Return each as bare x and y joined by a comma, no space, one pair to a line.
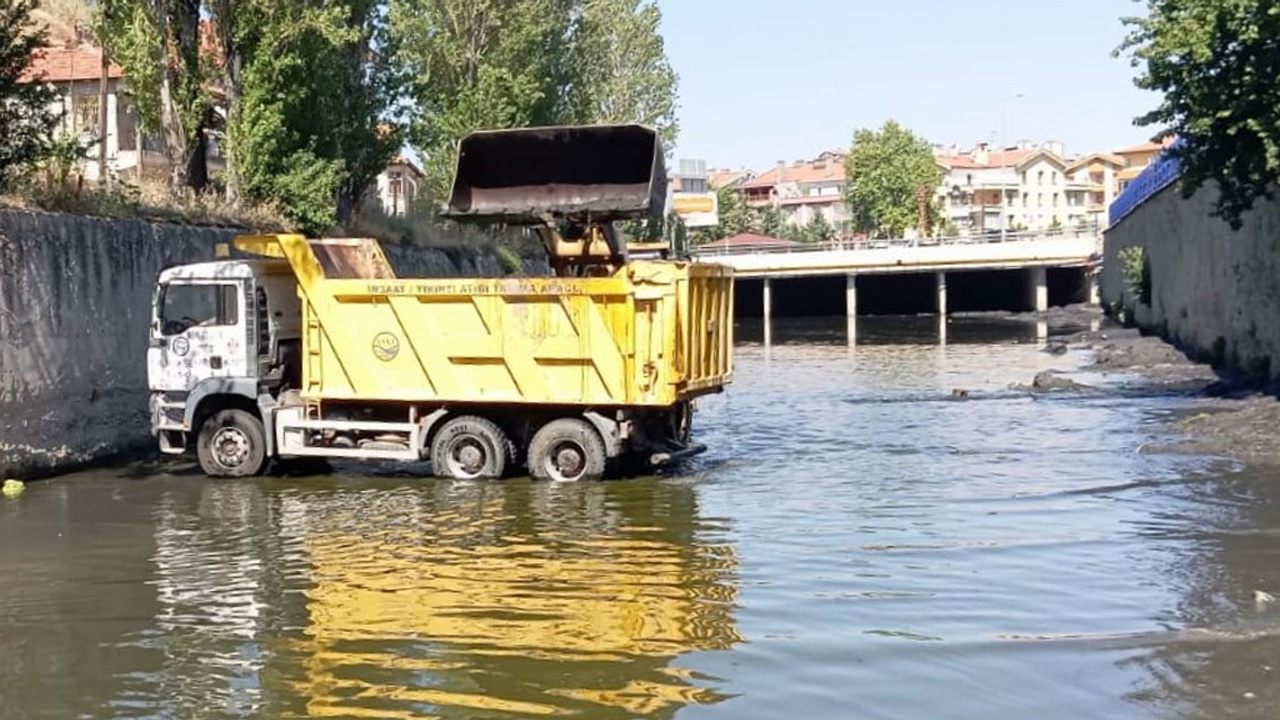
470,448
232,444
567,450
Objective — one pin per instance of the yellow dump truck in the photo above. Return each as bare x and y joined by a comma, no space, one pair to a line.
314,348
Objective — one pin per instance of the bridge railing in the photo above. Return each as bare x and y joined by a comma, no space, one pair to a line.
1090,231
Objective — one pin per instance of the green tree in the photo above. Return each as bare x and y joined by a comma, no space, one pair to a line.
818,230
480,64
619,67
886,171
25,114
485,64
735,216
306,89
158,42
1216,62
769,222
309,129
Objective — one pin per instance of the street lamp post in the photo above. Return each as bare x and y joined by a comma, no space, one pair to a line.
1004,145
1004,119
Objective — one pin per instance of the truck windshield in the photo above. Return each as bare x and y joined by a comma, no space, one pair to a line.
188,306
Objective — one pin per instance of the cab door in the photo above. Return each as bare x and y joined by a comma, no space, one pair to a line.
199,332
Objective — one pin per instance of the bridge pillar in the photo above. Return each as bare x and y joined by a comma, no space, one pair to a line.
1091,290
941,280
768,312
1039,288
851,308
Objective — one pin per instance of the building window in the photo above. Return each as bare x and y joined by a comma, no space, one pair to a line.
968,179
1040,178
126,126
84,113
1055,199
1025,196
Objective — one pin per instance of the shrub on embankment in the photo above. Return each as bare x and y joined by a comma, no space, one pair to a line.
1211,290
75,302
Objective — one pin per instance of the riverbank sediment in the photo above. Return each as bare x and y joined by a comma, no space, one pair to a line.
1231,417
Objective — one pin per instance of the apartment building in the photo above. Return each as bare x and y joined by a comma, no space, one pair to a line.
802,190
1025,187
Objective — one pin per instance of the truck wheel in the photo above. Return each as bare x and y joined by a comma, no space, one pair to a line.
470,448
232,444
566,450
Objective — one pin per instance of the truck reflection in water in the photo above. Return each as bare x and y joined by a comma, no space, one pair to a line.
531,602
466,600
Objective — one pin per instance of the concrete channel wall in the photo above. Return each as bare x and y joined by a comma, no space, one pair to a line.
1215,292
75,301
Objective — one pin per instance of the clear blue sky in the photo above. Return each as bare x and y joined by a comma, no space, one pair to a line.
768,80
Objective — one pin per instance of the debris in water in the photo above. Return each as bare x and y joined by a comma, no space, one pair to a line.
1262,599
13,488
959,393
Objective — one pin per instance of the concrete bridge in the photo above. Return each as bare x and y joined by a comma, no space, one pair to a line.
1016,266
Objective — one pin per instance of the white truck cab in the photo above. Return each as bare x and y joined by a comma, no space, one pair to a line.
226,331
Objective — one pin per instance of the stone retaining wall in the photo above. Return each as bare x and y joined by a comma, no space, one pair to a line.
1215,292
75,302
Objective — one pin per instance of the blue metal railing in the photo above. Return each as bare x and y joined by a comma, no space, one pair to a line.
1160,174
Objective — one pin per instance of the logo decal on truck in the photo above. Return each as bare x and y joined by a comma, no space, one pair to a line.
180,346
386,346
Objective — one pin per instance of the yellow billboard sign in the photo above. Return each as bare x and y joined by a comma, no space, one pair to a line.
696,209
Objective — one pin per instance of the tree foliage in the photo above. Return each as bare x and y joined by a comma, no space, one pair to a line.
619,69
818,229
309,130
484,64
27,121
1216,62
157,42
768,221
302,90
886,171
478,64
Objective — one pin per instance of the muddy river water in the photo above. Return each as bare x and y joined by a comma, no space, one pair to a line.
856,544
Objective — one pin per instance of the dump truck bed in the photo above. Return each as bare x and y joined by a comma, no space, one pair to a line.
652,334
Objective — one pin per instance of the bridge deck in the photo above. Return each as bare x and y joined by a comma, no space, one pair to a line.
1062,250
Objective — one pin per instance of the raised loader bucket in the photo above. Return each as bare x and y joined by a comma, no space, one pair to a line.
604,172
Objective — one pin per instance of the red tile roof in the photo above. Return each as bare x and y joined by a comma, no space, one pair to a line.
727,178
995,159
62,64
815,171
1101,157
1147,147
